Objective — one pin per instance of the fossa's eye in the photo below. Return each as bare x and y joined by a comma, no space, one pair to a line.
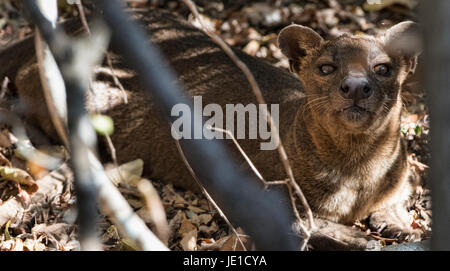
326,69
382,69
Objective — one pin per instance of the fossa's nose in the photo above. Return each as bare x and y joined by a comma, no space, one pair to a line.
355,88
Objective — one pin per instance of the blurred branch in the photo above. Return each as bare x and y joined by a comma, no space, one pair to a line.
115,206
437,81
51,79
206,194
72,59
273,129
222,178
75,60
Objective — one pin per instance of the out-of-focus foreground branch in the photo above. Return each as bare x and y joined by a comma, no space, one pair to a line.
241,198
273,129
436,23
74,60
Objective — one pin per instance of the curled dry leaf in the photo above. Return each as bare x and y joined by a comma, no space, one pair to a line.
21,177
188,233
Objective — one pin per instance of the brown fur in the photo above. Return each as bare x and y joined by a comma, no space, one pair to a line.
347,169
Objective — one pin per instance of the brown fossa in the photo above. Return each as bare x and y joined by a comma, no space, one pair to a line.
340,123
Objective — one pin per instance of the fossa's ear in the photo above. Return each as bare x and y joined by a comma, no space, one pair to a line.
296,42
404,40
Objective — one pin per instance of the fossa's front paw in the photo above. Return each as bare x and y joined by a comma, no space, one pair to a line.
394,223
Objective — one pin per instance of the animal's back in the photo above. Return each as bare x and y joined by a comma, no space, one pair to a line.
203,69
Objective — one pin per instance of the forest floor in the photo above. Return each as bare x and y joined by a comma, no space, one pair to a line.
45,219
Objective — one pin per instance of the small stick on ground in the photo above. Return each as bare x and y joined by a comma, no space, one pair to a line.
210,199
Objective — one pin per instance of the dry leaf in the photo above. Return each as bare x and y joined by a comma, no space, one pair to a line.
233,244
188,232
201,219
173,198
209,230
175,223
21,177
196,209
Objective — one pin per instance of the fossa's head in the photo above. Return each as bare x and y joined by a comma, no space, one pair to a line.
352,81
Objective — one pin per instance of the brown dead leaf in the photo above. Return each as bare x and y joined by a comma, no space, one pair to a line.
21,177
175,223
202,219
233,244
173,198
209,230
196,209
188,232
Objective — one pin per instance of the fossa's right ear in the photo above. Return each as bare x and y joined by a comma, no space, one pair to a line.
296,42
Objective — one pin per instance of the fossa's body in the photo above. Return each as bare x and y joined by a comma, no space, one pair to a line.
340,123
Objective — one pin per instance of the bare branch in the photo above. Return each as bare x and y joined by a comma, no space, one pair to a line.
210,160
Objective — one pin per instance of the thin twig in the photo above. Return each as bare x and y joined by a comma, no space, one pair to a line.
112,149
257,91
247,159
114,75
4,87
108,58
210,199
83,17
